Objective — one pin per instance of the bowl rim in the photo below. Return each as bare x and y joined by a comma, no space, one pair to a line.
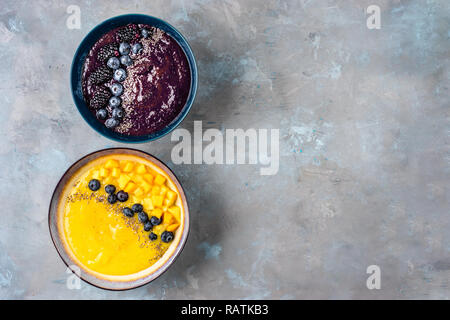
170,260
192,91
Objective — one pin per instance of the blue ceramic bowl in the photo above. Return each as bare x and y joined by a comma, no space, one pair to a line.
82,52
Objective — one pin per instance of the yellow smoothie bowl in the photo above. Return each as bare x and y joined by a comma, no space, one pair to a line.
119,237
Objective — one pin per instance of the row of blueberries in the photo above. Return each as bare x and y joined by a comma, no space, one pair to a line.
137,208
119,75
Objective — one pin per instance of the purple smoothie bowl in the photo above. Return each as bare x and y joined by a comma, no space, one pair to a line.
144,128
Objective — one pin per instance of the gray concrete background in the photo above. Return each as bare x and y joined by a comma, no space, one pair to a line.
364,148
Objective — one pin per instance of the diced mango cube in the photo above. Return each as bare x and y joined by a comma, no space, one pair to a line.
104,172
158,229
141,169
157,213
130,187
145,186
128,166
157,200
160,179
108,180
171,197
111,163
176,212
123,180
139,192
168,218
115,172
163,191
148,205
95,174
137,178
173,227
156,190
148,177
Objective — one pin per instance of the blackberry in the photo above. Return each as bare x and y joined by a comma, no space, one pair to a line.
127,33
101,75
100,98
107,51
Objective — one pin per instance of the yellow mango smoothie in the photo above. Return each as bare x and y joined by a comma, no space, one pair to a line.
120,217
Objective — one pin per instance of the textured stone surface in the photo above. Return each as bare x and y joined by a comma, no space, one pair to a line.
364,148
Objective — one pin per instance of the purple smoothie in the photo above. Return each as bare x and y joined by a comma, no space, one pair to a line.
157,84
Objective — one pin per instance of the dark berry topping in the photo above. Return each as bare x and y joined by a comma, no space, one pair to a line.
137,207
152,236
120,74
127,33
110,189
128,212
101,75
113,63
143,217
145,33
167,236
116,89
118,113
100,98
122,196
94,185
115,102
107,51
148,226
136,48
126,60
101,114
112,198
111,123
124,48
155,221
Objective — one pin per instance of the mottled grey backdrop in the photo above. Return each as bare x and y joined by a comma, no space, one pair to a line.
364,148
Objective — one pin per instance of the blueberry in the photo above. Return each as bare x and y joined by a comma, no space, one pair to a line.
155,221
94,185
111,123
113,63
128,212
137,207
136,48
167,236
152,236
118,113
143,217
124,48
115,102
122,196
101,114
116,89
148,226
120,74
145,33
112,198
110,189
126,60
